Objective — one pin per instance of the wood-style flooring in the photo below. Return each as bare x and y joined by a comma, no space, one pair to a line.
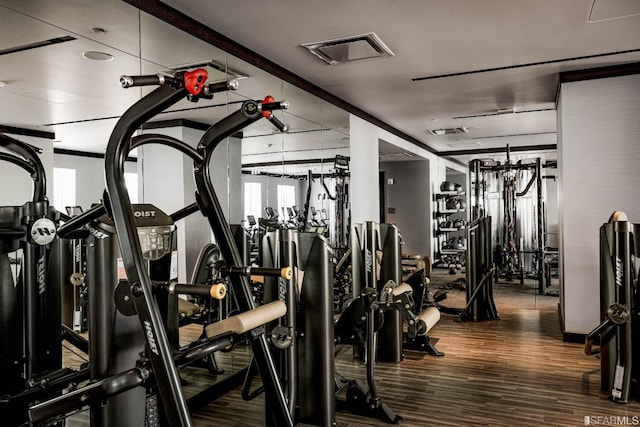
516,371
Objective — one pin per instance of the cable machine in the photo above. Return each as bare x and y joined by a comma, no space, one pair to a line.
518,232
155,371
341,221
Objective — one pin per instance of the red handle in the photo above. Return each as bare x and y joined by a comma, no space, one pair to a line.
194,81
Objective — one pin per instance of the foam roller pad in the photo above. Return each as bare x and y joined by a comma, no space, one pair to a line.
244,322
429,317
401,289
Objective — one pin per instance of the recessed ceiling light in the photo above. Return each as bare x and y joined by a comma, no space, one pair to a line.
97,56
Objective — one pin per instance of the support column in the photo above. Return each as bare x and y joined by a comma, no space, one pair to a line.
364,167
599,168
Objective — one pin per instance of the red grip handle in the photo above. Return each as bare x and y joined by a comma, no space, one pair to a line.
194,81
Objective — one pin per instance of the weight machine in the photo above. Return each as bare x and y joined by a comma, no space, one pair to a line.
341,223
146,294
519,225
30,317
303,338
618,334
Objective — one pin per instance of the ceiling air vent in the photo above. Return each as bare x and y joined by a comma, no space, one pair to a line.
349,49
448,131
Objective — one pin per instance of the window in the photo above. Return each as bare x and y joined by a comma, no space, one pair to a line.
64,188
131,181
253,199
286,199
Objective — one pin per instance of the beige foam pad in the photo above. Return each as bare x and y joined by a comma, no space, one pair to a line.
429,317
401,289
244,322
187,308
618,216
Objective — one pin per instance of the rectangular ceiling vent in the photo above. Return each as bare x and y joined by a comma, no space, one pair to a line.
348,49
448,131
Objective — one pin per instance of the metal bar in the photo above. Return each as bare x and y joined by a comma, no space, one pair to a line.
184,212
159,351
210,206
86,395
154,138
31,156
78,341
541,226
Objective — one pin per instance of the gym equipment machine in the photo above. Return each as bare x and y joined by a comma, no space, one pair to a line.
480,272
158,369
339,232
357,326
30,344
377,258
420,317
304,335
520,235
618,333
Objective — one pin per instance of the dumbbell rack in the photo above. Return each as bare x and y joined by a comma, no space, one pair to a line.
445,256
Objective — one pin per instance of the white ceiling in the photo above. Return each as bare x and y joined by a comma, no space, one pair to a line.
54,88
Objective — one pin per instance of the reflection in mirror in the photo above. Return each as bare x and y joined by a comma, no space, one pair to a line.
256,168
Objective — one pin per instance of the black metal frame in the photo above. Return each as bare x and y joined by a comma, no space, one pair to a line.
477,168
308,364
30,310
618,333
159,353
480,271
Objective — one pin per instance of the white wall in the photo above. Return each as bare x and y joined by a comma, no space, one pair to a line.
365,197
599,171
363,180
90,183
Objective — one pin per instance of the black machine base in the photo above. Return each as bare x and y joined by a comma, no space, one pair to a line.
423,344
358,401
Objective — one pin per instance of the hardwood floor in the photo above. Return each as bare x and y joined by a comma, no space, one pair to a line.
515,371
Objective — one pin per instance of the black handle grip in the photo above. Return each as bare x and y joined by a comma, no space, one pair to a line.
150,80
217,290
220,87
270,106
12,233
277,123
